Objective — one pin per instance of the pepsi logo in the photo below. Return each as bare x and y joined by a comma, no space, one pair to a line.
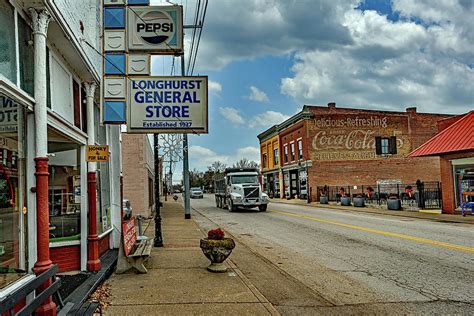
155,27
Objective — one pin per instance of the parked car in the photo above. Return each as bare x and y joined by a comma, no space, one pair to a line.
196,193
127,209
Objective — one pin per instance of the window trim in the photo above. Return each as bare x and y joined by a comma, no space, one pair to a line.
299,148
285,151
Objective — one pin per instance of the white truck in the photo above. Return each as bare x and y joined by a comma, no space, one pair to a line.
239,187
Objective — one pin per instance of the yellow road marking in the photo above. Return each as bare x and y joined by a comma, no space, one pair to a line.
381,232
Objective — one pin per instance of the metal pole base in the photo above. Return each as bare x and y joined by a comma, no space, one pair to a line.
187,216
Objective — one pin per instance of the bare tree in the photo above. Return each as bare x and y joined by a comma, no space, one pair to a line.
245,163
217,166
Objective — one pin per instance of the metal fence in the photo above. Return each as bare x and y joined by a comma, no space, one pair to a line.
421,195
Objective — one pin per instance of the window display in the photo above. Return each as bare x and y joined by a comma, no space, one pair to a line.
64,195
11,190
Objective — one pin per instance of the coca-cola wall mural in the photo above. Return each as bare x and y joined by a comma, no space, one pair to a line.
352,136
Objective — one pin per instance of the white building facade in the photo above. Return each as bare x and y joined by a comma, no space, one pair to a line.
50,76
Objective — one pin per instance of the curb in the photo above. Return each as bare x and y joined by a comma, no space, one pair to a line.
377,211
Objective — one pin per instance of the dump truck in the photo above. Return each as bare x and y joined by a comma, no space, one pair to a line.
239,187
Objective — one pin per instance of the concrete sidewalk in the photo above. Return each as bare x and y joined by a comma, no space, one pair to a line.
448,218
178,283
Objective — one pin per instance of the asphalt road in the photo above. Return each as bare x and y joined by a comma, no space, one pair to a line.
356,260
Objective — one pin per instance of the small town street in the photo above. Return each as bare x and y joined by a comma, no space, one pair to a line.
356,260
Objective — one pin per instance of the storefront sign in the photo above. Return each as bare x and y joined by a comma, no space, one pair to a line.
129,235
8,114
167,104
97,153
155,28
352,136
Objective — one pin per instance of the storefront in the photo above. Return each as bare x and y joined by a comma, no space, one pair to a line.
48,110
454,145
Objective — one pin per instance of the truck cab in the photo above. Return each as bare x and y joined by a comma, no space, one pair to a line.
239,187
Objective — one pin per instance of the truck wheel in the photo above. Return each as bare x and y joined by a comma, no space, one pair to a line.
217,201
262,208
231,206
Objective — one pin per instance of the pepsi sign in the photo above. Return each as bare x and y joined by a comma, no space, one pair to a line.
157,29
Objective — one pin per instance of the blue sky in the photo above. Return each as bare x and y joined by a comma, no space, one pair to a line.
267,58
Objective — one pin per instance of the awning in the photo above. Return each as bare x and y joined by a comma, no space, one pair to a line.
458,137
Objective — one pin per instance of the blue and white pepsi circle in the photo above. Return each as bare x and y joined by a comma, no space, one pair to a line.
155,27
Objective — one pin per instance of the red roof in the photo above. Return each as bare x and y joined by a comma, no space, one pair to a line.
459,136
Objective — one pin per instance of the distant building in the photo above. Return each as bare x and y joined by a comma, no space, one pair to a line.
138,173
327,145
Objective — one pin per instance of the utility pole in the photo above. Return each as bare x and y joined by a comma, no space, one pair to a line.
158,241
187,206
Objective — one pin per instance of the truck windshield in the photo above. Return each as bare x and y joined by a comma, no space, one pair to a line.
244,179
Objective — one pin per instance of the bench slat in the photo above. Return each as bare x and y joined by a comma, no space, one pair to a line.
142,249
10,301
39,299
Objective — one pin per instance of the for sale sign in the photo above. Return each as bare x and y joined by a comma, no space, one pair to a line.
167,105
97,153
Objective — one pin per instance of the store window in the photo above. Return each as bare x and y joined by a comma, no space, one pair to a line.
7,42
64,191
12,198
26,49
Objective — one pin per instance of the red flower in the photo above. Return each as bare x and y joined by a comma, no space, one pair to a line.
216,234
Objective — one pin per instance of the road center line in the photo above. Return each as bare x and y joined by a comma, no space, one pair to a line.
381,232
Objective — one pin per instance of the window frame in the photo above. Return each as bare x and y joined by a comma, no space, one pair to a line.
385,146
299,145
292,151
285,153
275,157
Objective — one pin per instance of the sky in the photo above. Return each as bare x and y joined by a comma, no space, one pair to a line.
265,59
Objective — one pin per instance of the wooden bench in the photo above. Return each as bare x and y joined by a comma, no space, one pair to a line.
85,308
8,303
134,253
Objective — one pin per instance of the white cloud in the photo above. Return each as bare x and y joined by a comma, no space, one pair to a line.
257,95
231,115
251,153
267,119
214,87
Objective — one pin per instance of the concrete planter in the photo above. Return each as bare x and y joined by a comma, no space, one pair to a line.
394,204
359,202
217,251
323,200
345,201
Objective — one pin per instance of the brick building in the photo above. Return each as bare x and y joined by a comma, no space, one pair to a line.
138,173
327,145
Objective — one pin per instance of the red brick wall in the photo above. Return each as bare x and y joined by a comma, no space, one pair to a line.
342,146
104,244
293,133
68,258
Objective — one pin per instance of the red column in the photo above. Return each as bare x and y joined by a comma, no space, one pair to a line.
93,261
43,262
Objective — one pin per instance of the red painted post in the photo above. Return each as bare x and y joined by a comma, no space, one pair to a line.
43,262
93,261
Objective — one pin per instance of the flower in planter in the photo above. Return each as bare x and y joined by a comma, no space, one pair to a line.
217,248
